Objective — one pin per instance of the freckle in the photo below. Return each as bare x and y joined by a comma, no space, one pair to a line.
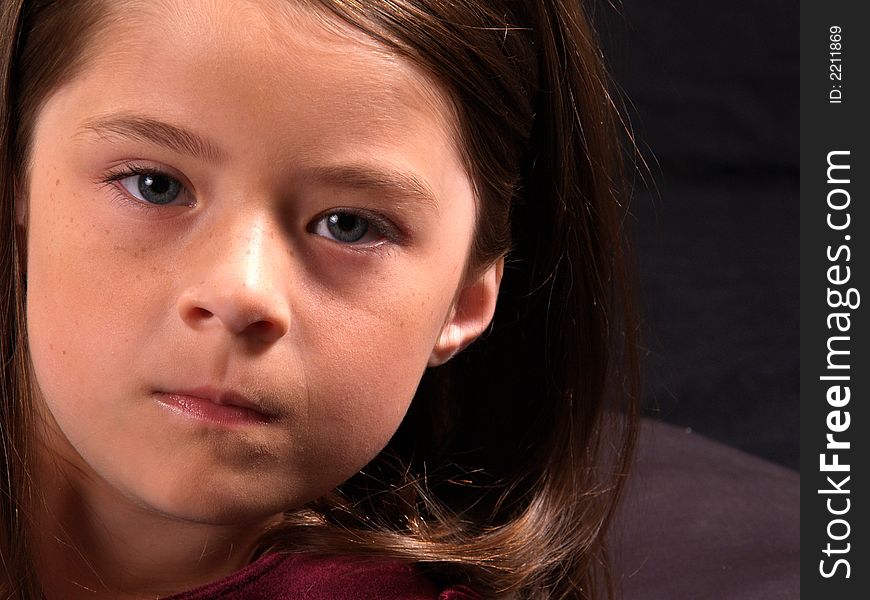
64,352
107,232
57,182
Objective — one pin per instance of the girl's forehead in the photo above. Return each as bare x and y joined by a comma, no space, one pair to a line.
257,67
263,45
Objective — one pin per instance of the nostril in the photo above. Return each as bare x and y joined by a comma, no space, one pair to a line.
200,313
255,316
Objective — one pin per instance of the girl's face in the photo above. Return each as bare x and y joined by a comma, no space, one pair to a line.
246,232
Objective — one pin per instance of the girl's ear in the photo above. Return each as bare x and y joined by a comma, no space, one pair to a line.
470,315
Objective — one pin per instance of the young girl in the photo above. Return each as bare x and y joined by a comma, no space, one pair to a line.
245,247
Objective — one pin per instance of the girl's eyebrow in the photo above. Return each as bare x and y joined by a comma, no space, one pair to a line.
404,189
147,129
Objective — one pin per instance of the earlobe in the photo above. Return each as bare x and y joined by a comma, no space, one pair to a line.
470,316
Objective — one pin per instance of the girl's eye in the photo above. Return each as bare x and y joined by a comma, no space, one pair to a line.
152,187
347,228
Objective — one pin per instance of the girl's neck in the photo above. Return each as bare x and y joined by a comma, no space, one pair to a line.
90,543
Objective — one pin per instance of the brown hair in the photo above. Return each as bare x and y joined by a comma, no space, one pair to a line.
506,471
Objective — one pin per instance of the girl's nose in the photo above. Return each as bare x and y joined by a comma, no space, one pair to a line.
237,286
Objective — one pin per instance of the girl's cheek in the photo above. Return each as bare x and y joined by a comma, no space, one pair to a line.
85,283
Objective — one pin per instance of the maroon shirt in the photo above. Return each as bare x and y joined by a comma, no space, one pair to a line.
312,577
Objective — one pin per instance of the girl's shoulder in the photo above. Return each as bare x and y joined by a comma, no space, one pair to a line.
314,577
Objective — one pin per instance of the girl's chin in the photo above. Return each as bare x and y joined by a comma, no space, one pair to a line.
222,499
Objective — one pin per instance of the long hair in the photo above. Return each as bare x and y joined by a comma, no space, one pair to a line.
506,470
17,575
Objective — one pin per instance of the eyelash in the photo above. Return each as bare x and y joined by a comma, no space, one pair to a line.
113,178
385,227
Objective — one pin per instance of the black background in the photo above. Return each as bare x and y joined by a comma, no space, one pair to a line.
713,98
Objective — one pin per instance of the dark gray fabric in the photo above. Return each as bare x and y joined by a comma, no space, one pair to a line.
702,520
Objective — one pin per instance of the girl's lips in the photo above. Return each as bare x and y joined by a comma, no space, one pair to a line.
220,412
